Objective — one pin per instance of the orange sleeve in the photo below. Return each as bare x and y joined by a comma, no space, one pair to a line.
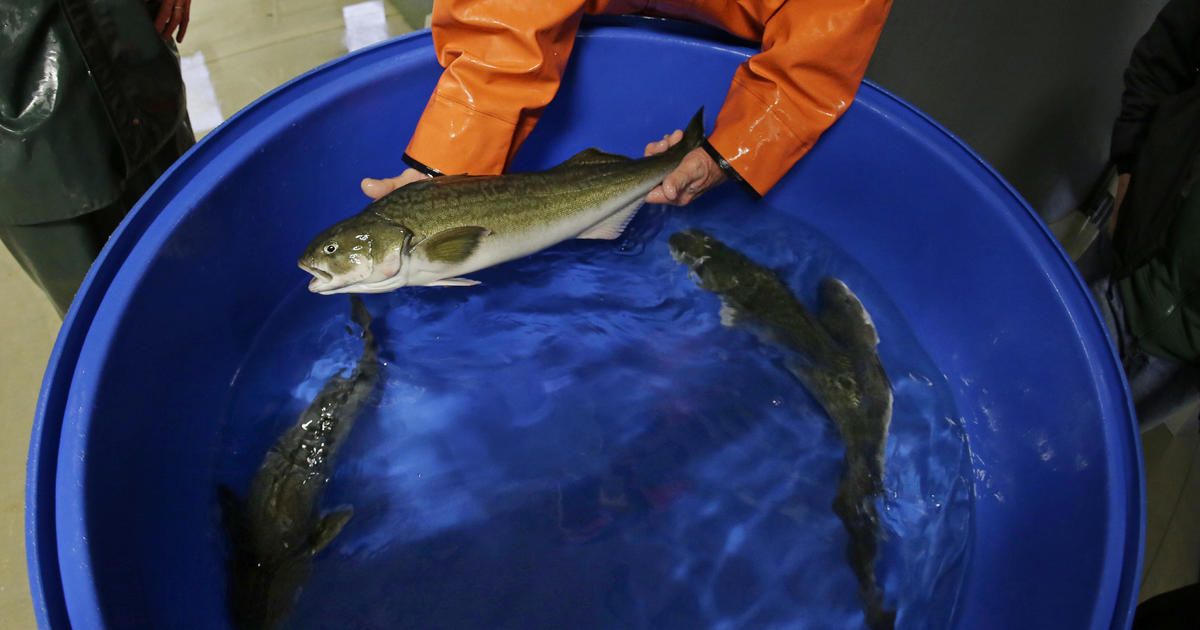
781,100
503,63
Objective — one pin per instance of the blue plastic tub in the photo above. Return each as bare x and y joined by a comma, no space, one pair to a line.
119,493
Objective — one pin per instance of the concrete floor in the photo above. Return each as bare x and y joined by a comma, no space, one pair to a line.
1172,507
235,51
28,325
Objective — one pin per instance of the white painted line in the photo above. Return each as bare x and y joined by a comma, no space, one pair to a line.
202,105
366,24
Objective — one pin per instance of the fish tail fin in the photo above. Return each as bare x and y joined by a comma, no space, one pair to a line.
359,313
855,506
369,362
370,356
693,135
693,138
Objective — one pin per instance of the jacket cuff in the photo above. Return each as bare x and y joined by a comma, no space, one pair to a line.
452,138
426,170
756,142
728,169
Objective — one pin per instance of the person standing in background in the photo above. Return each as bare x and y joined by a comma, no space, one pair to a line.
1151,300
92,112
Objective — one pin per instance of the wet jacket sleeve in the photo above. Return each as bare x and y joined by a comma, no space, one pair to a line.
503,63
781,100
1163,64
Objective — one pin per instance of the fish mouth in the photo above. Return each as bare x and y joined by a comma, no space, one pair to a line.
322,280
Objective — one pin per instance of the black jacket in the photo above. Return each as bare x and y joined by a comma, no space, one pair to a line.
1157,135
88,92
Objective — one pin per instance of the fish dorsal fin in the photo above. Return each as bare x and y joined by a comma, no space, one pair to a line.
615,224
594,156
454,245
844,316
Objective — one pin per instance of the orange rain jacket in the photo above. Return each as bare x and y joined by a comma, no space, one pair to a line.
504,60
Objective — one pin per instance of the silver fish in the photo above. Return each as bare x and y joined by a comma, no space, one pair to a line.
434,232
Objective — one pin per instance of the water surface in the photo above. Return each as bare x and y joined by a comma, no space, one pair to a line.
579,443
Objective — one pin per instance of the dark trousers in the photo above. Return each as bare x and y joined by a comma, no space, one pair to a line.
1160,387
57,255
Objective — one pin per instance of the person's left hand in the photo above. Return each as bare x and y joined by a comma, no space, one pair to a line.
694,175
173,14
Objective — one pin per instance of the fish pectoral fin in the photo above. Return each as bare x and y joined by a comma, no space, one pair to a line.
730,315
844,316
612,227
328,529
594,156
454,282
454,245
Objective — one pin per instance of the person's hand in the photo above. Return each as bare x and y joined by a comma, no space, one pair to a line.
376,188
694,175
173,14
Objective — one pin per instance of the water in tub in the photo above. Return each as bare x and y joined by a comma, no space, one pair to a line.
578,442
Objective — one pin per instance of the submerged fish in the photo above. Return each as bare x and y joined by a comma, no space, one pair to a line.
433,232
834,356
277,530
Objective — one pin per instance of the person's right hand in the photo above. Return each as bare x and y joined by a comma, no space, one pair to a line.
376,188
694,175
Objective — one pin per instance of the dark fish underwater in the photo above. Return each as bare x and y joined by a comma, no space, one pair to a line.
277,530
834,356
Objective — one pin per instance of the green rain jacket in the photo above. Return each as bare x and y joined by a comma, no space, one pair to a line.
88,92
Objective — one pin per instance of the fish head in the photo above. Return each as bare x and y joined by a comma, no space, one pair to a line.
714,266
354,254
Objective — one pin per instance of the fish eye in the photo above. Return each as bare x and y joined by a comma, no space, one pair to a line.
330,248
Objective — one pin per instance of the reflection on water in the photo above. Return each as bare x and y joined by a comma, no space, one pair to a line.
579,443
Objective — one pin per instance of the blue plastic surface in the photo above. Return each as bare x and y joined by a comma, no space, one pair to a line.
125,441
